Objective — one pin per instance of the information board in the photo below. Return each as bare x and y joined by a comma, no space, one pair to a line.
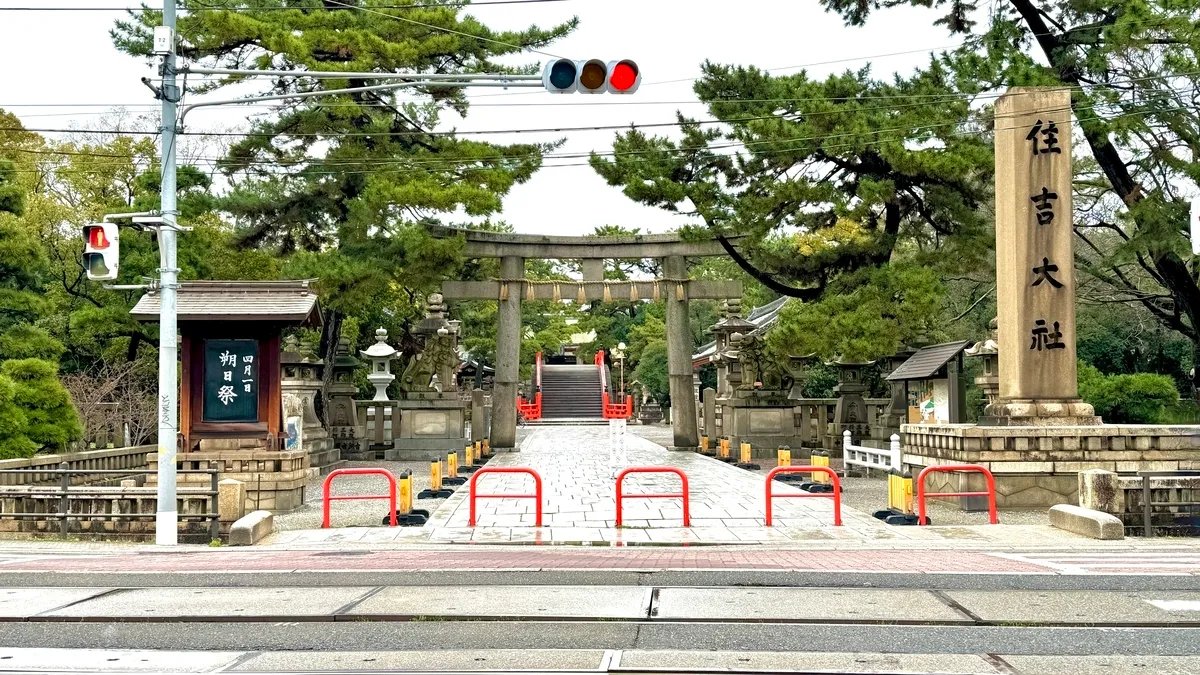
230,380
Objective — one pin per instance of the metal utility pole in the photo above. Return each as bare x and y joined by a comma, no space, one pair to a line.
166,528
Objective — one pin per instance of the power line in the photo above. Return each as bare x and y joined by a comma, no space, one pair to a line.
199,8
409,164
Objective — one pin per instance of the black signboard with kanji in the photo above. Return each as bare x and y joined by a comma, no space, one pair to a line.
230,380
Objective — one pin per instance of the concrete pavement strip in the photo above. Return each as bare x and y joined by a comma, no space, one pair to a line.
581,660
604,603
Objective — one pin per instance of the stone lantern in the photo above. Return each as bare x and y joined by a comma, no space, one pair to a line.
380,355
723,332
851,410
798,368
989,351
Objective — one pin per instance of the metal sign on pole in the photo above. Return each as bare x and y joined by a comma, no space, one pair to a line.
617,456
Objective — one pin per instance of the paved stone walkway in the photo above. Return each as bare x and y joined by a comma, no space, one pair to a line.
727,504
579,503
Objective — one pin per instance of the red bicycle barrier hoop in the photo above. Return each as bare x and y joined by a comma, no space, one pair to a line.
836,495
326,497
537,491
993,519
683,494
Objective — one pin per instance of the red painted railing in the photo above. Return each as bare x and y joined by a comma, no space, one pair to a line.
682,494
326,497
532,410
950,468
537,491
836,495
612,411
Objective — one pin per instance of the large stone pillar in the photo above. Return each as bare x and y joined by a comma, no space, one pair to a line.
679,358
508,357
1035,265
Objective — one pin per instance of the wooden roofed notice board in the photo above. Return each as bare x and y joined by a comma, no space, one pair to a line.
230,349
933,385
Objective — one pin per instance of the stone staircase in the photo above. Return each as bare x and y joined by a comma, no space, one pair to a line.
571,392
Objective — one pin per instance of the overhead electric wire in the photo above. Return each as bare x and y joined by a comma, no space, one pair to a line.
408,165
201,8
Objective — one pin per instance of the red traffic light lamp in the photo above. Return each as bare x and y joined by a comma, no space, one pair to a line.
623,77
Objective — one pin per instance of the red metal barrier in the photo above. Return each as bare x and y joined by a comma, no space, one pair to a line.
683,494
326,497
537,490
950,468
836,495
530,411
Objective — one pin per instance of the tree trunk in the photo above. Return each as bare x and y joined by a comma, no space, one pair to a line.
327,348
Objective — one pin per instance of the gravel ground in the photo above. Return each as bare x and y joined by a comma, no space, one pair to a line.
870,494
357,513
364,513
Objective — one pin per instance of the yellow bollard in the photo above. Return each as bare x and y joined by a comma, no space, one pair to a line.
487,448
435,476
820,458
906,492
785,457
744,453
469,455
405,497
704,445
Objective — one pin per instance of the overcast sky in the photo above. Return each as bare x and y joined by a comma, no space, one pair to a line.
53,59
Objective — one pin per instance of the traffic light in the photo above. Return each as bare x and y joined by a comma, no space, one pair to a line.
592,76
101,251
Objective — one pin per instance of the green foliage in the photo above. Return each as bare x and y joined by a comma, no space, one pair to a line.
12,195
818,188
651,371
13,441
1140,398
336,171
867,314
1132,68
51,422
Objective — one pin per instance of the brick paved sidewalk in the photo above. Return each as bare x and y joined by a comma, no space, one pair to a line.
1166,560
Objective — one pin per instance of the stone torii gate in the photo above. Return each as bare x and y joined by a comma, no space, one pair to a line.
512,286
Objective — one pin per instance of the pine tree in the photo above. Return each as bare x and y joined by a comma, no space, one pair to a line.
1134,69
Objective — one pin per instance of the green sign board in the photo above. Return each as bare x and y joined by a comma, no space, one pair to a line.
230,380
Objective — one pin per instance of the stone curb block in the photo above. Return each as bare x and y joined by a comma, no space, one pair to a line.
251,528
1089,523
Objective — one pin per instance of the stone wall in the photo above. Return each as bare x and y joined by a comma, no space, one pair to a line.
274,481
1039,466
115,502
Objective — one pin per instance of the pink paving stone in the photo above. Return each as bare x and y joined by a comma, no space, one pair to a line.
546,559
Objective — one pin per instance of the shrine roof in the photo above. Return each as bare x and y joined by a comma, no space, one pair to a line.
762,317
277,301
926,362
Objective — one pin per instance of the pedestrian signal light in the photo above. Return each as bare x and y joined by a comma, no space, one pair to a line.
101,251
591,76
